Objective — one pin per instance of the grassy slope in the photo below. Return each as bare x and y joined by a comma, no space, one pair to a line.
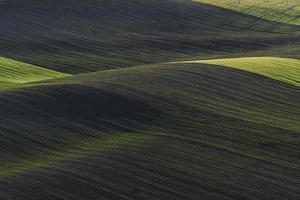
282,69
217,125
12,71
284,11
97,35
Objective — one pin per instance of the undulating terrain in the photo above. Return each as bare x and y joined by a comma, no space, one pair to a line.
149,100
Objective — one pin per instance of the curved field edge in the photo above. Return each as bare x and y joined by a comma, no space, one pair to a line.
12,71
282,69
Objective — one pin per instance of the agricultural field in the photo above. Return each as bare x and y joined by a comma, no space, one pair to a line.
149,100
283,11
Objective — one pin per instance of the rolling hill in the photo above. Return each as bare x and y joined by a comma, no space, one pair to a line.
97,35
147,100
133,133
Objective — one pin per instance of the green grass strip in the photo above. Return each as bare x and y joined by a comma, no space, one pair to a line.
12,71
283,69
284,11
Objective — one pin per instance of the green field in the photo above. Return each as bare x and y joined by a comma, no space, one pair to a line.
12,71
149,100
284,11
